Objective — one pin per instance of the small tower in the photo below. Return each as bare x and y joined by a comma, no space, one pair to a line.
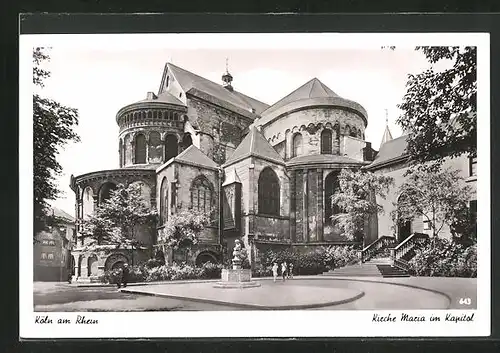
387,133
227,78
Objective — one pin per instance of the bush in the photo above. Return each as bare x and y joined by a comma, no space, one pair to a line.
444,258
211,271
154,263
136,274
313,262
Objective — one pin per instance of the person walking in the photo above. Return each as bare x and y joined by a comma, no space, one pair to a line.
275,271
290,271
283,270
125,275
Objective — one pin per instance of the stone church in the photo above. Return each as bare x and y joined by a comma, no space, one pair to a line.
268,171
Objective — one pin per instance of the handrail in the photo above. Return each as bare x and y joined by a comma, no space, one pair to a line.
372,248
407,245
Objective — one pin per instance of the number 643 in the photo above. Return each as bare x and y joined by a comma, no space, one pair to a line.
465,301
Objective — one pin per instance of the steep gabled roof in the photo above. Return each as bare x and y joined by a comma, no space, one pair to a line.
390,152
254,144
387,136
62,215
232,178
188,80
192,155
312,89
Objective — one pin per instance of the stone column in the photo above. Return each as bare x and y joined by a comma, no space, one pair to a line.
147,148
305,208
321,207
76,258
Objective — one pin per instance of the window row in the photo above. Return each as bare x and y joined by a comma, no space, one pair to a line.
152,114
47,256
155,150
48,242
326,140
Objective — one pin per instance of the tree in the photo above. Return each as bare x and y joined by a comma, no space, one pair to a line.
183,229
438,197
440,106
356,200
118,220
53,128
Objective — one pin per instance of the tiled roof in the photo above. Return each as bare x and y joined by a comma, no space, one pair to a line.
163,97
322,159
312,89
393,150
189,80
254,144
62,214
193,156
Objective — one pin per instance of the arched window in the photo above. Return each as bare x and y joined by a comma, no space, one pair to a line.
297,145
347,130
105,191
326,141
187,140
171,147
331,185
155,147
201,195
127,150
269,192
120,151
140,149
88,201
163,201
354,132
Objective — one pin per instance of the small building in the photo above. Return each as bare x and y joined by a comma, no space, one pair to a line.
52,260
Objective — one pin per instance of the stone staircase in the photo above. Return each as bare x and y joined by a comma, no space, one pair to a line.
375,267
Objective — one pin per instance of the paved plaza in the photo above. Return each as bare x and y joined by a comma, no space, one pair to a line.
311,292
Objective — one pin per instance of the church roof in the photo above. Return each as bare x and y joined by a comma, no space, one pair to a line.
193,156
390,152
387,136
312,89
189,80
62,214
254,144
163,97
312,93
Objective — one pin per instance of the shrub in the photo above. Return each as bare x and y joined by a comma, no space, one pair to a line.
136,274
211,271
315,261
154,263
444,258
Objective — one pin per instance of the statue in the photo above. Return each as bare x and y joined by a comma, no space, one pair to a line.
237,255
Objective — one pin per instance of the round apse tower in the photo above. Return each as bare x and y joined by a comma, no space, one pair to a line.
151,131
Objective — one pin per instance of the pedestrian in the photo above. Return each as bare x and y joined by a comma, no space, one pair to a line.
283,270
119,277
290,271
275,271
125,274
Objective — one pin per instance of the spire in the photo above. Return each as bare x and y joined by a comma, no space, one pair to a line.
387,133
227,78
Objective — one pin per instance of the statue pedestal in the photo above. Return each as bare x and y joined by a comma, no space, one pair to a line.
236,278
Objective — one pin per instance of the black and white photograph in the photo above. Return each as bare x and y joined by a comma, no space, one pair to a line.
272,183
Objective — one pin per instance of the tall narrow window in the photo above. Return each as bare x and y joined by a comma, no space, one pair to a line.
201,195
140,149
326,141
120,151
105,191
187,140
269,192
155,147
171,147
331,185
163,201
472,166
297,145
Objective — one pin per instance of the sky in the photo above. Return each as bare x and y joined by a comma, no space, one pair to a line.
99,81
